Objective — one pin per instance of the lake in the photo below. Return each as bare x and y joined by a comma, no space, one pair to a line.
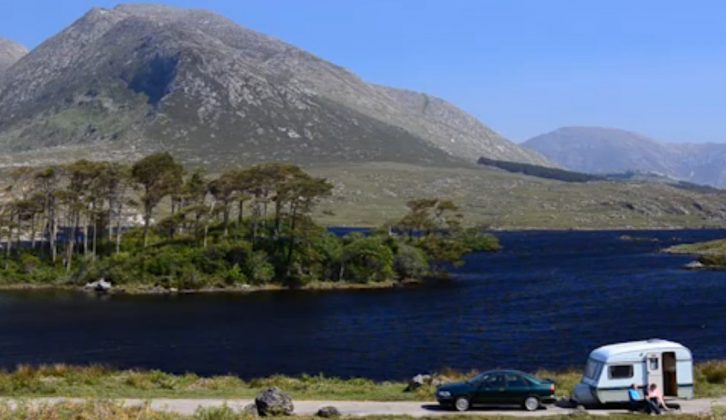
545,301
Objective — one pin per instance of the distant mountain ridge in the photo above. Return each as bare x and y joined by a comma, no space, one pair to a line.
150,77
10,53
599,150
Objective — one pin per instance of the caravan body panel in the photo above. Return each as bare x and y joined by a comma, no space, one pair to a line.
612,369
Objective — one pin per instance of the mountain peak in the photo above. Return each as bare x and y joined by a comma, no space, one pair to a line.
10,53
601,150
150,77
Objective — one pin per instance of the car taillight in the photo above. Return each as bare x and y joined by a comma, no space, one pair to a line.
552,389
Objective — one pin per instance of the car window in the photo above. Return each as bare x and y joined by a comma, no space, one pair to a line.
515,380
495,380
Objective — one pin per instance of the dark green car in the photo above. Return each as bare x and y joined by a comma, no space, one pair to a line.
497,388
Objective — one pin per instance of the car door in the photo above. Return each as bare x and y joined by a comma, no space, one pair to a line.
518,388
491,390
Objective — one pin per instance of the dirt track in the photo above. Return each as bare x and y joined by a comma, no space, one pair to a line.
364,408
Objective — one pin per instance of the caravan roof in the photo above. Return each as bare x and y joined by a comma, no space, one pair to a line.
622,351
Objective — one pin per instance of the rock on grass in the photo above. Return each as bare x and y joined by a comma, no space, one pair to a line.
274,402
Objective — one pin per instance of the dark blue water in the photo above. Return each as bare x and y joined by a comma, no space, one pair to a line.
545,301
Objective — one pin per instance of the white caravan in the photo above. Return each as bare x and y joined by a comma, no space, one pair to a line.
612,369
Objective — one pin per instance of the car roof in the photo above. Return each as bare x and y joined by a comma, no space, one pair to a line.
518,372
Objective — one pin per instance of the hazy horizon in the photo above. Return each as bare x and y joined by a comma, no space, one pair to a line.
523,68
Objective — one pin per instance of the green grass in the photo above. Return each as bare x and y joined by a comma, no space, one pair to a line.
372,193
711,254
710,378
104,382
717,247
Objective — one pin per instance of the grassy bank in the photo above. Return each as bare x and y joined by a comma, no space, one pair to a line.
103,382
108,410
711,254
143,289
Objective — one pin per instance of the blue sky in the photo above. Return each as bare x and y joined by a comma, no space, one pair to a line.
523,67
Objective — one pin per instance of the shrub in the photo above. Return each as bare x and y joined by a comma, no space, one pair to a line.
713,260
443,249
367,259
259,269
410,262
29,263
235,275
477,241
713,372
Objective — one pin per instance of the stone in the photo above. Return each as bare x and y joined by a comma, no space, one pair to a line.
328,412
694,265
274,402
418,381
100,286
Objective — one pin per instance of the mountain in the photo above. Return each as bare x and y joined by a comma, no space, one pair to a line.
10,52
599,150
603,150
147,77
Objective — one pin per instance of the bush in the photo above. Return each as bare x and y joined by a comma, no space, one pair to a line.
443,249
714,372
259,269
477,241
29,263
410,262
713,260
367,259
235,276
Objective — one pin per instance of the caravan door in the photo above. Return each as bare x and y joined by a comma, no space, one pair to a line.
654,367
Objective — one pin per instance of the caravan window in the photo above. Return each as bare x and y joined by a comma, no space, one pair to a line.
593,368
620,371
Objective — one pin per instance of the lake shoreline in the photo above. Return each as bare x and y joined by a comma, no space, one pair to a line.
711,254
158,291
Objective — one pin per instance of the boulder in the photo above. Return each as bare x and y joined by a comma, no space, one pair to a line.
250,410
274,402
100,286
328,412
418,381
694,265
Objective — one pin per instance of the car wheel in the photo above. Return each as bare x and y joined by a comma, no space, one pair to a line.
531,403
462,404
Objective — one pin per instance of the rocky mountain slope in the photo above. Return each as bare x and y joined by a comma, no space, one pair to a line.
10,52
146,77
606,150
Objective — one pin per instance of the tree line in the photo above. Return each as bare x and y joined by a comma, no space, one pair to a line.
154,222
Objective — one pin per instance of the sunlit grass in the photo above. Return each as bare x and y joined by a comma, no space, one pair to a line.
103,382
